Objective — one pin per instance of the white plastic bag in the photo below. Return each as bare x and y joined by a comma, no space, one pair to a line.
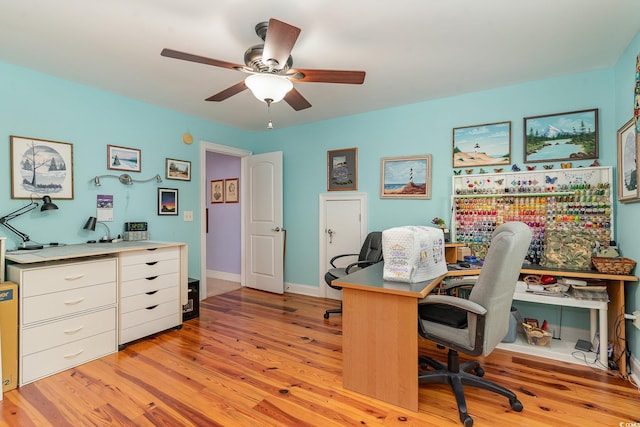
413,253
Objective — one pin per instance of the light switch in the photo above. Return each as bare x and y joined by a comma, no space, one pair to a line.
188,216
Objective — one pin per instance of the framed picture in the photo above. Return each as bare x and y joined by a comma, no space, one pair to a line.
123,159
178,169
482,145
168,201
627,163
231,190
342,169
217,191
563,136
42,167
405,177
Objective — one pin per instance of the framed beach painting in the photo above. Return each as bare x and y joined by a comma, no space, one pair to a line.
41,167
123,158
405,177
627,163
482,145
563,136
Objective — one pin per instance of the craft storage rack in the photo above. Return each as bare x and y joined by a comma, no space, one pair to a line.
547,200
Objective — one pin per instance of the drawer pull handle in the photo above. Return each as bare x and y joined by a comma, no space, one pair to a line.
74,331
151,278
151,308
79,276
152,263
151,292
79,300
71,356
152,249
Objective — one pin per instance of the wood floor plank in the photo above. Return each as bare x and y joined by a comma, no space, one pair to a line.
258,359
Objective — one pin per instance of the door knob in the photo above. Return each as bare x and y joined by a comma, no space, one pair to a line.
276,229
330,233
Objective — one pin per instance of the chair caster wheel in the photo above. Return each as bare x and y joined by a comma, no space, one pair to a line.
516,405
326,315
479,371
466,420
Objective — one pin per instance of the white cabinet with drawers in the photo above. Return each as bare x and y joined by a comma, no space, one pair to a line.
68,314
149,292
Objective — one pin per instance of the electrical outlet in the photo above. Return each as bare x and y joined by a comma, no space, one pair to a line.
636,321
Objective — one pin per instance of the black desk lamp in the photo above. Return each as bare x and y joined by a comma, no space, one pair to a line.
91,225
46,206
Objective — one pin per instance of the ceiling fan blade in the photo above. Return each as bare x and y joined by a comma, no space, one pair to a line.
296,100
228,92
170,53
330,76
278,43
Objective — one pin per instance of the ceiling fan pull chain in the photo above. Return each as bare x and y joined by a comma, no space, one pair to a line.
270,123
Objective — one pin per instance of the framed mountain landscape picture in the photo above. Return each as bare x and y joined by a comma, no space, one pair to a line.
563,136
482,145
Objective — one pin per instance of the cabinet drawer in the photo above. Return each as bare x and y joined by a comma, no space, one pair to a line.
144,315
149,284
144,329
43,307
142,301
39,281
153,268
149,255
44,363
68,330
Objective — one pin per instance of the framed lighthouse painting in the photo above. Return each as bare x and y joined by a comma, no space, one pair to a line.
405,177
123,158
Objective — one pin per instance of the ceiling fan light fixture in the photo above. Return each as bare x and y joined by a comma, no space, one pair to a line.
268,86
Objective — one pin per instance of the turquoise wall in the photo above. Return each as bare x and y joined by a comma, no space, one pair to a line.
628,214
424,128
39,106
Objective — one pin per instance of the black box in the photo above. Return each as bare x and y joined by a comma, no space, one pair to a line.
191,309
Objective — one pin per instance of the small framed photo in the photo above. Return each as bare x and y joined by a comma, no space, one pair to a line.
405,177
627,163
231,190
217,191
342,169
563,136
178,169
482,145
123,159
168,201
41,167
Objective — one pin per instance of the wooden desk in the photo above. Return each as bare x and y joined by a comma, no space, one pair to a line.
380,329
380,336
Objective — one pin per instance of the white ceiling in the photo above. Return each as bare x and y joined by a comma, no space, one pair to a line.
411,50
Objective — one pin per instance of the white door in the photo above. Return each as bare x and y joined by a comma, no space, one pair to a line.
264,237
343,228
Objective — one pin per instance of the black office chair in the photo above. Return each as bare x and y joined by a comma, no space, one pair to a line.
476,325
371,253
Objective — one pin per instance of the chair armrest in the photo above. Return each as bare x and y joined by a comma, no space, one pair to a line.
461,303
340,256
454,284
360,264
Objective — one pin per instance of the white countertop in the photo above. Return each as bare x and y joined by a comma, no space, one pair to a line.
54,253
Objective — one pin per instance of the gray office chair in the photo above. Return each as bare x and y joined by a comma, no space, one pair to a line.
476,325
370,253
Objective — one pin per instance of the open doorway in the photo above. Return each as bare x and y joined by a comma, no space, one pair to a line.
221,243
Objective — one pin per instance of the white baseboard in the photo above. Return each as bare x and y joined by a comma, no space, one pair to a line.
222,275
635,369
294,288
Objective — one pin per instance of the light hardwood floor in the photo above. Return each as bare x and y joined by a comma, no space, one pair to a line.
220,286
259,359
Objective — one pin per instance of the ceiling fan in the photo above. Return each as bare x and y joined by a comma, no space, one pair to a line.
270,68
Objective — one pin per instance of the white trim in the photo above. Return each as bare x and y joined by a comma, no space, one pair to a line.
223,275
295,288
231,151
322,234
635,369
